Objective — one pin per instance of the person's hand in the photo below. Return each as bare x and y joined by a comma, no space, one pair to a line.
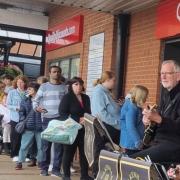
146,121
153,116
41,110
81,121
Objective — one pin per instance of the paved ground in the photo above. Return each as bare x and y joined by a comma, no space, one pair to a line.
8,172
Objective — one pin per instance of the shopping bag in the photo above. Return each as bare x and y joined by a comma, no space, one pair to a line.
64,132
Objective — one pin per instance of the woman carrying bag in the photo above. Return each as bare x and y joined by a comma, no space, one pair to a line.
74,104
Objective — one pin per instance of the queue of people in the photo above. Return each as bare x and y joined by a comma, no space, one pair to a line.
126,122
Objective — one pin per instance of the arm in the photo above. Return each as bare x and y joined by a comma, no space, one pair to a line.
99,108
64,108
37,99
22,111
9,102
88,110
131,120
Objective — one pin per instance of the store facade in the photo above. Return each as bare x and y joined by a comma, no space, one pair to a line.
97,48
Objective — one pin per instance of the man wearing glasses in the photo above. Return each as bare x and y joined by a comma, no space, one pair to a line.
165,148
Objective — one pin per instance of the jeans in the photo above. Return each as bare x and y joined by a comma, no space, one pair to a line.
46,150
26,143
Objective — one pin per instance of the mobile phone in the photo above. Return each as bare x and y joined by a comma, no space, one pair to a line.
45,111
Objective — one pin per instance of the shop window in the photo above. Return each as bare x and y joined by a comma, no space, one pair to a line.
70,66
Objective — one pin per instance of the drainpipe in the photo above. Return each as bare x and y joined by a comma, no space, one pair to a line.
121,51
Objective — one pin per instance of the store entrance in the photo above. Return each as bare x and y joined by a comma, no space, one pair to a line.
172,50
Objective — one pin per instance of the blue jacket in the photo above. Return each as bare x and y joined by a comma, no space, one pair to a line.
104,106
34,121
13,102
132,128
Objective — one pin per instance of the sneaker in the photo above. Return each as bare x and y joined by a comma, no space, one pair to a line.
15,159
72,170
18,166
56,174
32,163
27,160
50,167
44,173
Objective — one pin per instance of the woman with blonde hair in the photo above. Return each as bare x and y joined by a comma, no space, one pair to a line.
132,128
104,106
14,100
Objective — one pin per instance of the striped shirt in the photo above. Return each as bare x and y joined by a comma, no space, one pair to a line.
49,97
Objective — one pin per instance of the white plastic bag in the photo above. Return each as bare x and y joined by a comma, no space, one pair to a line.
64,132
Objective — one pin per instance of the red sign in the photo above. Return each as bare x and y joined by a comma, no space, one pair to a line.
168,19
69,32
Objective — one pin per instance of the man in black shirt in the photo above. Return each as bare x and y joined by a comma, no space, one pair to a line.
165,147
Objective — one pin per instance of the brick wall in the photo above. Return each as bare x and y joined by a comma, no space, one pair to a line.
94,22
143,53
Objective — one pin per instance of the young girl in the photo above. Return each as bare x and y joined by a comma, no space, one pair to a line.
132,128
5,124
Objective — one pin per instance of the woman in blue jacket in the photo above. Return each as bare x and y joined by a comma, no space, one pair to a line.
132,128
104,106
33,126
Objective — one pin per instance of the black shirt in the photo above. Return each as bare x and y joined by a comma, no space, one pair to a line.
169,129
70,106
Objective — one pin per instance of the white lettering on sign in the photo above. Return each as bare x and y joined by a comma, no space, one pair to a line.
57,35
178,12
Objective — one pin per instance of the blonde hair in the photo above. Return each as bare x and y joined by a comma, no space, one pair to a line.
139,94
105,76
21,77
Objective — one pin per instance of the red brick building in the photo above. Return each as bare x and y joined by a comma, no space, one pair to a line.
144,50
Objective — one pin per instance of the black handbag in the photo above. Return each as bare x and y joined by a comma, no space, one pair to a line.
20,126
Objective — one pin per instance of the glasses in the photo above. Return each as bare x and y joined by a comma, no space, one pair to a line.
167,73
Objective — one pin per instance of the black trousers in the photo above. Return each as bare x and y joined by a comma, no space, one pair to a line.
163,152
114,133
15,140
69,151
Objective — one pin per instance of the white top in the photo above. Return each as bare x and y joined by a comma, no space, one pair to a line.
6,112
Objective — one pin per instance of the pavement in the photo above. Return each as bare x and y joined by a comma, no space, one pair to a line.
8,172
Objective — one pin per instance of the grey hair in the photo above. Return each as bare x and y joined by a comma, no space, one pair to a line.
176,64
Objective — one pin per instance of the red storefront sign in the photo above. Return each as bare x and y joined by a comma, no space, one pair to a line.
168,19
69,32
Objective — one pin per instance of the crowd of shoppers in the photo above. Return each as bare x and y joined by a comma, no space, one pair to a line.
38,103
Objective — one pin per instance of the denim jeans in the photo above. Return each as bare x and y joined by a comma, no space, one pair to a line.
46,149
26,143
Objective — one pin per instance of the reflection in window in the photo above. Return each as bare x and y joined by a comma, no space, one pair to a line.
69,66
65,68
75,67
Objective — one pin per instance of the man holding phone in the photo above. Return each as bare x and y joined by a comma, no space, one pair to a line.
47,102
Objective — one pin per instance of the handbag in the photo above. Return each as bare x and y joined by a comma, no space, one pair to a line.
20,126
